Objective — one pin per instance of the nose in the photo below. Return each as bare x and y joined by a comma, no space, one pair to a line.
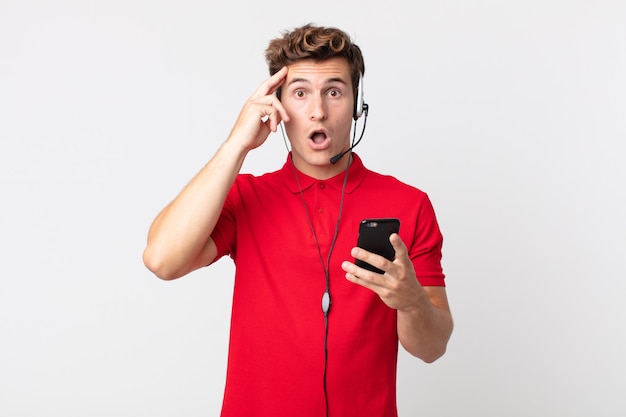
317,109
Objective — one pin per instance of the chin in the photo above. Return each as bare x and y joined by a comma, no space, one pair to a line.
319,160
308,162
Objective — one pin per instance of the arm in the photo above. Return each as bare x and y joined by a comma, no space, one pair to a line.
179,239
424,320
424,331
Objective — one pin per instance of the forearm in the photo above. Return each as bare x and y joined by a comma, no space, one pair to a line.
425,328
180,232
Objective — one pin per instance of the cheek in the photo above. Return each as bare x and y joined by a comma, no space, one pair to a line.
296,114
344,112
292,106
294,129
344,123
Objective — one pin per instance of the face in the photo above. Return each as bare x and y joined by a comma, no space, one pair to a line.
319,99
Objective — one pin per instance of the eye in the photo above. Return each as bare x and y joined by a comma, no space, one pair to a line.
299,93
334,92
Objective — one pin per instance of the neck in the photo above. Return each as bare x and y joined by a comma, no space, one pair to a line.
322,171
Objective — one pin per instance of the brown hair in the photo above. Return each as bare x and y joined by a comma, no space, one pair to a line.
317,43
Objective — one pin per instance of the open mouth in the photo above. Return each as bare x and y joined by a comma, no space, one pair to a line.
318,137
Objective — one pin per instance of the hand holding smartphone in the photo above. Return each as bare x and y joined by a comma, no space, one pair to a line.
374,237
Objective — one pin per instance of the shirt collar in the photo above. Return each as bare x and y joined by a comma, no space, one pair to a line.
356,174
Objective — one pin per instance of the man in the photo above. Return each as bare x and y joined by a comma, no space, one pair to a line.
312,334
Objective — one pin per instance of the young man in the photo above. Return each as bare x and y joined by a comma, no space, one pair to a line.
312,334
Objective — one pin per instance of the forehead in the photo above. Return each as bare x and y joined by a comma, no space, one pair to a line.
319,71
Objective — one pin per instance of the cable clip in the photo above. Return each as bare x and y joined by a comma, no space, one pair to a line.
326,302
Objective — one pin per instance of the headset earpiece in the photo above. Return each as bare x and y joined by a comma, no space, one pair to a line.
359,103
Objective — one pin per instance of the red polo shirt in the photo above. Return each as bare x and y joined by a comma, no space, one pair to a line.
276,351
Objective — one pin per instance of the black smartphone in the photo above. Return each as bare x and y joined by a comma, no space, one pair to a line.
374,237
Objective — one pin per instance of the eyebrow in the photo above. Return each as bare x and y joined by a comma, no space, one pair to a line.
328,81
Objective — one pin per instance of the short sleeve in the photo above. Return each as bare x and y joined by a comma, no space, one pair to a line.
425,250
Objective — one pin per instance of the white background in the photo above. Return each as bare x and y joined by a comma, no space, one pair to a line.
510,114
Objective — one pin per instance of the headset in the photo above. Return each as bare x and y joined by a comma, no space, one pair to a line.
360,108
359,104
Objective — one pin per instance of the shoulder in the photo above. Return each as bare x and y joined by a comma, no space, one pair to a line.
248,186
270,178
391,184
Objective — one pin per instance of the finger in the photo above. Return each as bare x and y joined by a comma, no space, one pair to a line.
272,120
361,276
402,253
278,79
273,114
398,245
371,258
279,114
364,277
367,279
270,85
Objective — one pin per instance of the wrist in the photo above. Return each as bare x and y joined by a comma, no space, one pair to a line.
416,304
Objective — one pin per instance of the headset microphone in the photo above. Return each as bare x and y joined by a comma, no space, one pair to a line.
337,157
360,108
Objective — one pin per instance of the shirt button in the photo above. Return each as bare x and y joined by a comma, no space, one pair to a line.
321,185
321,210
